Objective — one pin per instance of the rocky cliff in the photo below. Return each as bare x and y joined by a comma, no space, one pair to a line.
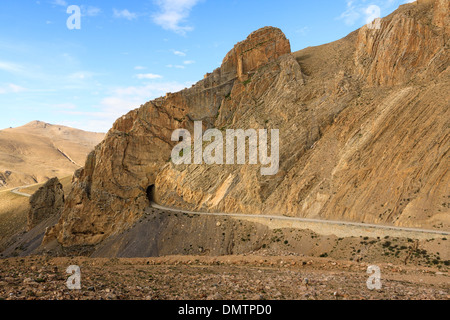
363,124
47,202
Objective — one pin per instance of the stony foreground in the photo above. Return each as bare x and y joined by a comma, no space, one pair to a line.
216,278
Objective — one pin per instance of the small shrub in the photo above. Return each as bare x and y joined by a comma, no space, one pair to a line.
387,244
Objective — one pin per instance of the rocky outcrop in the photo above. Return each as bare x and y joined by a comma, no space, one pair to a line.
364,134
45,203
262,46
109,194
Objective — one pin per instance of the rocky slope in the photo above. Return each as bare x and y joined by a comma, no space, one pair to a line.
363,123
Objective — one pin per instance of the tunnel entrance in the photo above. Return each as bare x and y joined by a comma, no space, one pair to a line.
151,193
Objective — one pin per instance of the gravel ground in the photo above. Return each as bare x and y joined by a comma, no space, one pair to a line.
215,278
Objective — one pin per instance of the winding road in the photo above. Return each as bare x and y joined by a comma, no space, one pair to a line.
17,191
316,221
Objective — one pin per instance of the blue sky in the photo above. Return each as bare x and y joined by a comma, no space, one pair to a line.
129,52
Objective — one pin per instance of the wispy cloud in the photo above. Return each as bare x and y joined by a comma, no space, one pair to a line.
11,67
302,31
179,53
24,71
189,62
90,11
175,66
11,88
81,75
125,14
173,14
148,76
352,13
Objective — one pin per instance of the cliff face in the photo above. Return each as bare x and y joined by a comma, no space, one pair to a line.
48,201
412,44
364,134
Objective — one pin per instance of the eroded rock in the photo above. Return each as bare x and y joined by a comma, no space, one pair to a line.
48,201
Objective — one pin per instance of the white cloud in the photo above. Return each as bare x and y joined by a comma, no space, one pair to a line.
124,14
189,62
26,71
90,11
173,14
148,76
139,68
179,53
10,67
81,75
93,11
175,66
11,88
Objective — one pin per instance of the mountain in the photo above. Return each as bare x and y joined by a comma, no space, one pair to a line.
363,126
38,151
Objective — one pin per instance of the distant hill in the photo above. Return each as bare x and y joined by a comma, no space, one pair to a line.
37,151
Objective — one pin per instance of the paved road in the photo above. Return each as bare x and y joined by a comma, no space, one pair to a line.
329,222
17,191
